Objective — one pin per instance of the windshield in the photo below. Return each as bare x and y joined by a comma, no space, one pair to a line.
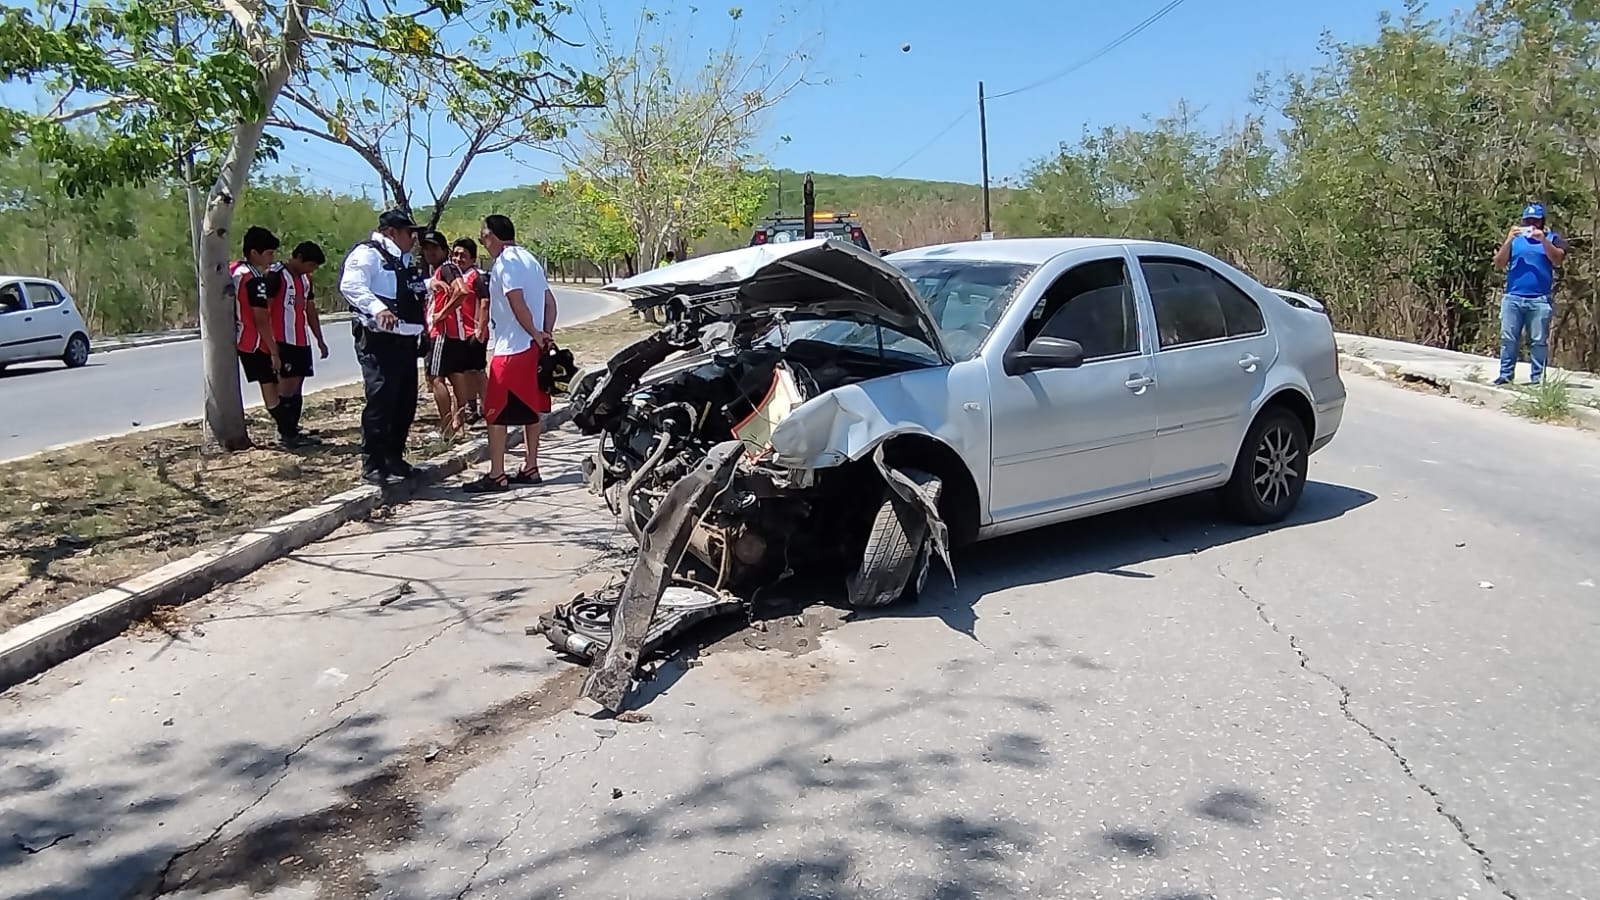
860,336
965,297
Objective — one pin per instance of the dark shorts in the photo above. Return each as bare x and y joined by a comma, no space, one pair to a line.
452,356
295,360
257,366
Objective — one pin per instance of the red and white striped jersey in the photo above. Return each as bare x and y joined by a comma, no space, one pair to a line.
251,291
458,322
290,323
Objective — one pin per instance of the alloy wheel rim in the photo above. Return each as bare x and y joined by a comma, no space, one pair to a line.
1277,466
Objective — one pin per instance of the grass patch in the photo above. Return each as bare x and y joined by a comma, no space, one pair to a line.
1548,401
79,520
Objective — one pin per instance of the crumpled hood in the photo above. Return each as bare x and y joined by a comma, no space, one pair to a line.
820,278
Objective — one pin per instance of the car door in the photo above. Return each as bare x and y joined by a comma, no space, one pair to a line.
53,319
1065,438
15,323
1213,351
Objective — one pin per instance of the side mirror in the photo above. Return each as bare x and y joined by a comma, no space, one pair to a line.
1044,353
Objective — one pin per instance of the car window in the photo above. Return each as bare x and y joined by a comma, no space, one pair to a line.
10,298
965,297
41,294
1091,304
859,336
1193,304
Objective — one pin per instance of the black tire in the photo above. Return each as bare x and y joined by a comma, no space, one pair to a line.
898,551
77,352
1269,474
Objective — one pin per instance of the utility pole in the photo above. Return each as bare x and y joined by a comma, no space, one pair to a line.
983,144
809,193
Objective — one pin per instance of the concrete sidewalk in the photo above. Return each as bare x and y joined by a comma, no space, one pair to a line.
1464,375
392,651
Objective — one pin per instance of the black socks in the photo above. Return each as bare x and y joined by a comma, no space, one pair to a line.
287,414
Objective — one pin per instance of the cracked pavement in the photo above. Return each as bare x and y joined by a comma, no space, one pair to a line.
1390,696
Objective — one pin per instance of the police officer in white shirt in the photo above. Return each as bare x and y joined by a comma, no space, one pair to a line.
388,304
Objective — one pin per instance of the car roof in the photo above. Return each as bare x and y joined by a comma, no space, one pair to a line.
8,279
1030,251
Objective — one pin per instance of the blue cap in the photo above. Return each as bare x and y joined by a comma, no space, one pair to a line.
1533,211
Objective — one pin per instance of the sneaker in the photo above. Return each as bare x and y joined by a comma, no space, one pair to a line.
375,476
402,469
1500,382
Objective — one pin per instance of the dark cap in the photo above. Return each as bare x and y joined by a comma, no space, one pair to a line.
395,218
436,239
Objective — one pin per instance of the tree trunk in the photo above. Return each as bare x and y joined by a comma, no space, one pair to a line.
218,307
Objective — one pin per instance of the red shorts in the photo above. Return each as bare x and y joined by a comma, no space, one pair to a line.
512,395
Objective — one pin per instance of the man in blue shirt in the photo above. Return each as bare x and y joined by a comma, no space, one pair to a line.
1529,255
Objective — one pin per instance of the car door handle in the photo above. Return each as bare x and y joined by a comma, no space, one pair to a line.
27,318
1249,361
1138,383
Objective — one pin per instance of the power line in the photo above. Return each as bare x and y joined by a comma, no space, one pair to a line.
1125,37
931,141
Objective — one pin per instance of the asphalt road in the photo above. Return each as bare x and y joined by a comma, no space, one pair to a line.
1391,696
46,405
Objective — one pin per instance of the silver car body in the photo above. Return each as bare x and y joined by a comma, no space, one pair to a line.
37,319
1045,446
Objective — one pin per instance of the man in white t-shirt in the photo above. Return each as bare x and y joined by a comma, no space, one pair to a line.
521,316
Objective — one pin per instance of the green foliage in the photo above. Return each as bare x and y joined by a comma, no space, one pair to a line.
1404,162
125,256
1548,401
673,148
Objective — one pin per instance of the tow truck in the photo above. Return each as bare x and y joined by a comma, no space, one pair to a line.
781,229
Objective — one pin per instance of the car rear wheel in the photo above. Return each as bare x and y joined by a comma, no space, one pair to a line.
898,555
77,354
1270,473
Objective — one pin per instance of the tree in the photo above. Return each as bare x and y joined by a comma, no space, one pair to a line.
402,119
673,148
160,80
1404,160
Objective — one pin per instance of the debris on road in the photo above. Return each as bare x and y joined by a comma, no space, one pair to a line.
391,594
1486,585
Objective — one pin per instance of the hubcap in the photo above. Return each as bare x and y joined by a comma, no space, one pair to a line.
1277,466
80,351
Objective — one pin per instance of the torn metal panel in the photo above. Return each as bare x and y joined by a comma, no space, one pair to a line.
906,490
662,543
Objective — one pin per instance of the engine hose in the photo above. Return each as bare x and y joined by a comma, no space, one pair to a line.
663,441
694,418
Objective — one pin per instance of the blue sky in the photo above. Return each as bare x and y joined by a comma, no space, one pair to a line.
881,105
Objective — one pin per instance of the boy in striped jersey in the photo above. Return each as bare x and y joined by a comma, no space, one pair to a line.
294,325
254,282
450,360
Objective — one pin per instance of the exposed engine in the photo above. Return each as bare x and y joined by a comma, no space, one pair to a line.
659,417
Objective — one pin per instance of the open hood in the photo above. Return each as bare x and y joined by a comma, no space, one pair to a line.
819,278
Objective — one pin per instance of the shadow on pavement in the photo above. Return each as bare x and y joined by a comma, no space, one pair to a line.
1114,544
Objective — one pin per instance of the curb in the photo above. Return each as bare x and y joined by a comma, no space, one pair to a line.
35,646
131,341
1471,391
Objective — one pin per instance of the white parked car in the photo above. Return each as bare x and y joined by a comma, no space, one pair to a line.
39,321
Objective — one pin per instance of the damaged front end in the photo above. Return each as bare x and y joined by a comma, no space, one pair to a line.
686,457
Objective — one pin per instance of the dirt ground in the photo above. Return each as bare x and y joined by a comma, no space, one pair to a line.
76,521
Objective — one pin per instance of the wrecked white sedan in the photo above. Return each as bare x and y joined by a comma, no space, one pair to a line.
812,406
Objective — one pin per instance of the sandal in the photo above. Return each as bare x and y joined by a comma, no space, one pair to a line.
486,484
527,476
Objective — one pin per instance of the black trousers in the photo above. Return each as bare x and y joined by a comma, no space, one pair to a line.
389,374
